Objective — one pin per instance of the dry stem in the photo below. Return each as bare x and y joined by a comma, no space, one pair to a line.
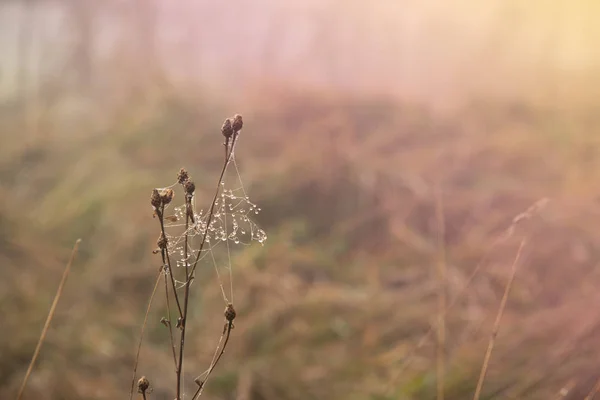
49,318
496,326
189,276
139,348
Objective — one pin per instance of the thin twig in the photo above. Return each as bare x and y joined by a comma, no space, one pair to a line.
186,296
212,207
594,390
503,237
226,333
197,258
49,318
423,340
169,324
165,253
496,326
139,348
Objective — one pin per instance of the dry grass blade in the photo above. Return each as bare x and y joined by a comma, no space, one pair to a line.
496,326
49,318
594,390
503,237
226,334
139,348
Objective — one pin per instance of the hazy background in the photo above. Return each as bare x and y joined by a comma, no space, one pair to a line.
382,140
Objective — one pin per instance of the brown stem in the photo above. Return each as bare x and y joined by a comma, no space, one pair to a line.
199,252
227,334
212,207
165,254
137,356
185,297
59,291
169,325
496,327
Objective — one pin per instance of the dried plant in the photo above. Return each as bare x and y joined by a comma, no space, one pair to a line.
226,220
444,308
49,319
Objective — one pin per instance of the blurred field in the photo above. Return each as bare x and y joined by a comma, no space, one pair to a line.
351,175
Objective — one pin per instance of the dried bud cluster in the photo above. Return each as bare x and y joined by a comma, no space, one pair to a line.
182,176
167,195
227,128
189,187
238,123
229,312
143,384
160,198
155,199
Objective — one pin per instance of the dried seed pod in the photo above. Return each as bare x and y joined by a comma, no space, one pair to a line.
229,312
189,187
143,384
155,199
167,195
162,242
182,176
227,128
238,123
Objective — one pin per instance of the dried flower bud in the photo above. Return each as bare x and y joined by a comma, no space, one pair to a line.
143,384
238,123
227,129
155,199
189,187
229,312
182,176
162,242
167,195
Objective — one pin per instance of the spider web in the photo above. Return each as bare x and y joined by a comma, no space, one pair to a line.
231,225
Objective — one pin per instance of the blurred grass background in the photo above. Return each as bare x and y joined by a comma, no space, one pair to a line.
359,118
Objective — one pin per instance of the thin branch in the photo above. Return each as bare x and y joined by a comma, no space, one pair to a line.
212,207
49,318
139,348
496,326
594,390
199,252
226,333
169,324
165,253
503,237
186,296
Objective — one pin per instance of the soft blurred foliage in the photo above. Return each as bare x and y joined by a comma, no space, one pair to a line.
363,120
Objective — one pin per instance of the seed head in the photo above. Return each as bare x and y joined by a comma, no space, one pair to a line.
238,123
167,195
162,242
227,128
155,199
143,384
189,187
229,312
182,176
